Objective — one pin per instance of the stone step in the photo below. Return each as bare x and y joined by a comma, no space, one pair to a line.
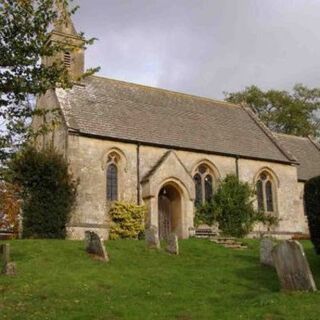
205,233
223,241
229,242
235,246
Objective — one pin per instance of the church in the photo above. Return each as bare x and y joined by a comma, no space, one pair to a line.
169,151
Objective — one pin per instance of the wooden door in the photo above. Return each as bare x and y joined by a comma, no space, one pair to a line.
164,217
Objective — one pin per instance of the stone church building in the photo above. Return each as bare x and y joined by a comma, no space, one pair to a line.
169,151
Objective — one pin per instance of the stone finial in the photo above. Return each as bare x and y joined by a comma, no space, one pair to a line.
292,267
152,237
266,246
172,244
94,246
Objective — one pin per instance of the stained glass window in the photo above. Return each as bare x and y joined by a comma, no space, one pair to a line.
269,196
112,182
198,186
208,187
203,180
265,192
260,195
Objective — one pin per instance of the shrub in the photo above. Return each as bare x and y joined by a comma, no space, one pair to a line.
312,207
232,207
127,220
48,192
205,214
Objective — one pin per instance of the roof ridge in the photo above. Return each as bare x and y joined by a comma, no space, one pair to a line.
270,135
314,143
289,135
156,166
170,91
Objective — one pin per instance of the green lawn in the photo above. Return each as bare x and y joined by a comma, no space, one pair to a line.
57,280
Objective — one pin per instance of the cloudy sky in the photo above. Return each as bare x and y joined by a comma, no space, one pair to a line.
204,47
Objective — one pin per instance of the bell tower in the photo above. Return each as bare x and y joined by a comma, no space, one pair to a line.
64,32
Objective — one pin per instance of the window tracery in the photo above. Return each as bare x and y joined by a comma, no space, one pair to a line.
265,189
203,180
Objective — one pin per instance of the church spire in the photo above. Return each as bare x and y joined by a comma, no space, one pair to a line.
64,23
65,33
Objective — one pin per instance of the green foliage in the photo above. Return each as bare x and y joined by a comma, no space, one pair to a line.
232,207
205,214
295,112
24,33
127,220
312,207
48,192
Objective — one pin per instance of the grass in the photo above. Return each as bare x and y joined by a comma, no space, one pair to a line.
57,280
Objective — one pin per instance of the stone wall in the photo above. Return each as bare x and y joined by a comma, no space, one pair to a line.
57,136
88,162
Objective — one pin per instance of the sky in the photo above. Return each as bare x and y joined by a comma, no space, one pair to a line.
204,47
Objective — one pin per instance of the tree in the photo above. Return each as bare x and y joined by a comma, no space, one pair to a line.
47,190
312,206
24,43
295,112
10,206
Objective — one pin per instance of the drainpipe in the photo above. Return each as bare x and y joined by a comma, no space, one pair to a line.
138,174
237,166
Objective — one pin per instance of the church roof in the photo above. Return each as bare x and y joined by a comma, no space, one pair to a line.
307,153
129,112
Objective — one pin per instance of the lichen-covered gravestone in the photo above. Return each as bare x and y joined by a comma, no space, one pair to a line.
9,268
94,246
292,267
266,246
172,244
152,237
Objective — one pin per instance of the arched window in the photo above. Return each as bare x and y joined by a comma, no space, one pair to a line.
265,192
203,180
112,177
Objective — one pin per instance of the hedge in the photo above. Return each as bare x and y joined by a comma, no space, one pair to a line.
312,207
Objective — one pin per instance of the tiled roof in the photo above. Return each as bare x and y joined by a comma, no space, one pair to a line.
131,112
307,153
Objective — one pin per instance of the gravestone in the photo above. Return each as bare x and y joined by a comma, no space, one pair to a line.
9,268
172,244
152,237
266,246
292,267
94,246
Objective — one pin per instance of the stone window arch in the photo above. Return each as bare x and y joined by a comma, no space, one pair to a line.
266,186
205,183
112,176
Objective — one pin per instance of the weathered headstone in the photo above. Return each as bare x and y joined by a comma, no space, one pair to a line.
8,268
172,244
152,237
266,246
94,246
292,267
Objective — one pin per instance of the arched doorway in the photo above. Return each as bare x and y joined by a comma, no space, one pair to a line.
169,210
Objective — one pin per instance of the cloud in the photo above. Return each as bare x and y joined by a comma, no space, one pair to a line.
204,47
